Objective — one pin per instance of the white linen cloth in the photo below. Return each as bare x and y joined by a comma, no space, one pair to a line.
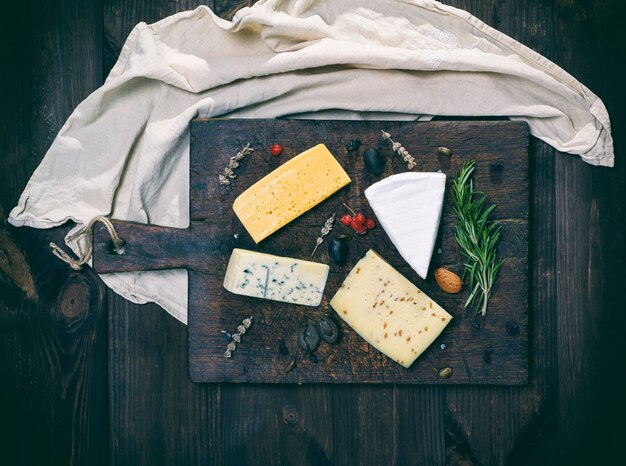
124,150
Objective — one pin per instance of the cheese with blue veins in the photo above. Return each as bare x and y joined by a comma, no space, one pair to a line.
259,275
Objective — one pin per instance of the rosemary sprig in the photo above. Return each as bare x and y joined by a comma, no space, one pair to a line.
477,236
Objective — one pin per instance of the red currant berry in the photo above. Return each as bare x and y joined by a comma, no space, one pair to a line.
362,230
346,220
356,225
276,149
369,223
360,218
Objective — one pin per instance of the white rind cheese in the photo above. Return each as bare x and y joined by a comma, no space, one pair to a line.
408,207
389,311
260,275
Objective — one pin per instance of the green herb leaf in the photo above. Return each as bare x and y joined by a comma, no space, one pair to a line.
477,237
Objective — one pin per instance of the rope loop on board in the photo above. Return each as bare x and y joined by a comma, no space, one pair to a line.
118,245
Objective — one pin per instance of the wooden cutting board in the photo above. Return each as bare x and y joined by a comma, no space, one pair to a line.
490,350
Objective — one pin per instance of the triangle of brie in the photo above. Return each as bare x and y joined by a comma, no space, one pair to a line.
408,207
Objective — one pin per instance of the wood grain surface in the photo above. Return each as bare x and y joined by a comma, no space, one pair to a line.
133,403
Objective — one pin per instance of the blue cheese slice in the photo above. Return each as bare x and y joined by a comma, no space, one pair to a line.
408,207
260,275
388,311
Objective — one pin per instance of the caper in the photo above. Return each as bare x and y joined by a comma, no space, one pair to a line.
328,330
374,161
309,338
338,250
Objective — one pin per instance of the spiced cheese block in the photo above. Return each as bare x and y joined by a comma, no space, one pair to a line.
260,275
289,191
408,207
389,311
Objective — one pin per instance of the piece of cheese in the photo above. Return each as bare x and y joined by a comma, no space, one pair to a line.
289,191
260,275
408,207
389,311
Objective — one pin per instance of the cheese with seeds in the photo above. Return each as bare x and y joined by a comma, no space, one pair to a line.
289,191
251,273
389,311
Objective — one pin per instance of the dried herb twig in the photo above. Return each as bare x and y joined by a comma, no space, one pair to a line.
400,149
236,337
328,225
233,163
477,236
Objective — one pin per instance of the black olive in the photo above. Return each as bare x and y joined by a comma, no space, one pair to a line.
338,250
328,330
353,145
374,161
309,338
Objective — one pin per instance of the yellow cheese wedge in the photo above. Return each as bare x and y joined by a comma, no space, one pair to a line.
388,311
289,191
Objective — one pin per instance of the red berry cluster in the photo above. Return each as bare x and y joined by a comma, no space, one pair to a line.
358,222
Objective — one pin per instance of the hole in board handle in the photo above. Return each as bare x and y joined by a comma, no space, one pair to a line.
118,249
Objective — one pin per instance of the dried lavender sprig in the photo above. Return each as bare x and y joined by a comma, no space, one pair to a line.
401,150
328,226
236,337
242,153
224,179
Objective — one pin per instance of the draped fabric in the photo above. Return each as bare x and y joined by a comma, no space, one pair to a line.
124,151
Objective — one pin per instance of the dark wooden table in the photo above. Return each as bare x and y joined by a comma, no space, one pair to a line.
89,378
